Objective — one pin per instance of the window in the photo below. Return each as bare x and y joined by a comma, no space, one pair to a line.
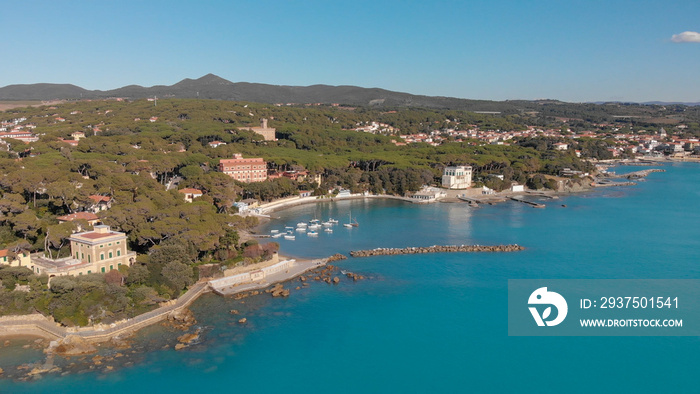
103,270
119,253
89,272
110,255
111,267
76,255
102,246
88,258
102,256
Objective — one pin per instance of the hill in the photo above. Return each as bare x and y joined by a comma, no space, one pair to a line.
213,87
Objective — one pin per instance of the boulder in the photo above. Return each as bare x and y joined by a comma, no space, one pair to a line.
336,280
243,320
181,319
234,311
72,345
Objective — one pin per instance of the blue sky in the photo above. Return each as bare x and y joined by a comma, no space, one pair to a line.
492,49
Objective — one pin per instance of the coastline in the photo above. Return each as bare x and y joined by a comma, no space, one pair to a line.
39,326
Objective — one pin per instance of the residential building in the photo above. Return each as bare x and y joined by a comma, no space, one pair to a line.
244,170
21,259
89,217
457,177
216,144
100,203
97,251
190,193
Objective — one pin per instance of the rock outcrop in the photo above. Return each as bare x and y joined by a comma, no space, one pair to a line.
72,345
181,319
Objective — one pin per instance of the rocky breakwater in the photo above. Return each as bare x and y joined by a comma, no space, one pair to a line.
436,249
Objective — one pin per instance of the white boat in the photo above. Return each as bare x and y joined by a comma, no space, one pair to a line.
274,231
328,230
312,234
288,228
290,237
327,224
350,222
277,235
314,227
301,224
301,229
331,220
314,221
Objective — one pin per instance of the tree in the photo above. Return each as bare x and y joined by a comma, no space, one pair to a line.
178,275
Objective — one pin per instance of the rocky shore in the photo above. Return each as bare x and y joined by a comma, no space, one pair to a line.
436,249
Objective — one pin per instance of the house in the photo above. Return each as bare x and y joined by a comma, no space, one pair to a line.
268,133
190,193
89,217
561,146
244,170
69,142
100,203
305,193
457,177
100,250
216,144
20,259
77,135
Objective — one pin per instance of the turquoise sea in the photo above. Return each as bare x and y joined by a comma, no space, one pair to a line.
434,323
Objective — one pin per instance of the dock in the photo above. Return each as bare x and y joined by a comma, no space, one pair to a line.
531,203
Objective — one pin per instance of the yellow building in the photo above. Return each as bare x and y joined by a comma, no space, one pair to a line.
20,260
100,250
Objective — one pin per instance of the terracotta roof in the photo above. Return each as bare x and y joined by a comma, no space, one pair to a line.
4,252
94,235
190,191
78,215
96,198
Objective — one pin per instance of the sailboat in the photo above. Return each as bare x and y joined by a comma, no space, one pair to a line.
350,222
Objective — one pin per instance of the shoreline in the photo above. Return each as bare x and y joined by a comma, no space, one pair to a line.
16,327
39,326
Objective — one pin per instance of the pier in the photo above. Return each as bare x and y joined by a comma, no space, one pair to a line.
436,249
533,204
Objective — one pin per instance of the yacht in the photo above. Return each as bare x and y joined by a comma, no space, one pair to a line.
290,237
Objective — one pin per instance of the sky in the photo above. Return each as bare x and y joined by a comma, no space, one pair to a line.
577,51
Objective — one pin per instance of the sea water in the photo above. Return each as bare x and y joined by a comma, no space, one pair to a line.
436,322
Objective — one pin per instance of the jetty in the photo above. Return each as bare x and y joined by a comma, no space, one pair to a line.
635,174
436,249
533,204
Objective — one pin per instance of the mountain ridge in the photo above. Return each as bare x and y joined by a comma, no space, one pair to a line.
211,86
